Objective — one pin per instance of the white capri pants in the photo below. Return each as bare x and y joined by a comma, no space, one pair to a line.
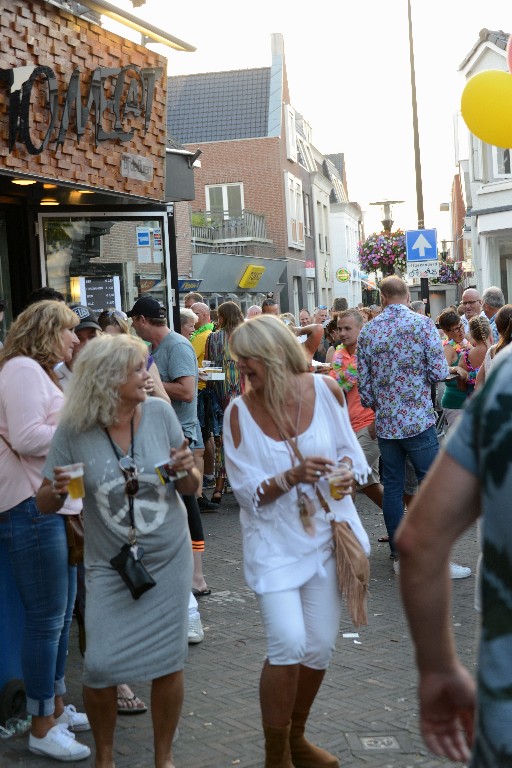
302,624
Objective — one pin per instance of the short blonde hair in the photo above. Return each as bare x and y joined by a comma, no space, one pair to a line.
36,334
268,339
100,370
187,314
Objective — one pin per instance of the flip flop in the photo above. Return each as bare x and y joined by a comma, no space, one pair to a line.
383,539
201,592
123,708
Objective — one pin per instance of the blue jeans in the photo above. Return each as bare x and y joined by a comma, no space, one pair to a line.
38,552
421,450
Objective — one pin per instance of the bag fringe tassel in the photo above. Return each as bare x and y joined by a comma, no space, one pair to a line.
352,571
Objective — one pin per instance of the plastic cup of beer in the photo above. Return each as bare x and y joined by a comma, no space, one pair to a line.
76,484
338,480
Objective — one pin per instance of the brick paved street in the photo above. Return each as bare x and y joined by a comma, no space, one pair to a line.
366,711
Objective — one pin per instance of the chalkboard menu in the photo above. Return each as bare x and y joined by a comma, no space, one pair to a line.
100,292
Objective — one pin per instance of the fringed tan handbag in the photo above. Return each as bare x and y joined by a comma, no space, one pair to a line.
352,570
352,564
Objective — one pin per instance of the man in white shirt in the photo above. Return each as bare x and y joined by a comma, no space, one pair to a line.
472,304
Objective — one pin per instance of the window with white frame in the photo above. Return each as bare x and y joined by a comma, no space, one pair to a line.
501,162
319,226
225,201
294,211
311,295
307,214
305,155
291,134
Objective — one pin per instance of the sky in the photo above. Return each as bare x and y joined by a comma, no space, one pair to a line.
349,75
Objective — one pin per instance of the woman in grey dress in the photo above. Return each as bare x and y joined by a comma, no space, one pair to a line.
119,434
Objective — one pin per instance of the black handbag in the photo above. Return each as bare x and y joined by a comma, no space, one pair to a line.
128,563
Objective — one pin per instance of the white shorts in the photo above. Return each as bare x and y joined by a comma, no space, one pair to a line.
302,624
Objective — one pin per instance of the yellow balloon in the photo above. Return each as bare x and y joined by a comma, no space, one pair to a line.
486,106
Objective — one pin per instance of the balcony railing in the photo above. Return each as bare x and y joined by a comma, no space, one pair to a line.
213,226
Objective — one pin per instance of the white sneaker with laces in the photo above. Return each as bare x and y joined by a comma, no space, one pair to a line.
195,630
60,744
459,571
73,720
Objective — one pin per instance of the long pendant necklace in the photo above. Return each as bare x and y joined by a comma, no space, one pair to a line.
129,468
305,503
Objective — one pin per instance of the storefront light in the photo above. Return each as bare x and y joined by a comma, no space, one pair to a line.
23,182
74,289
49,201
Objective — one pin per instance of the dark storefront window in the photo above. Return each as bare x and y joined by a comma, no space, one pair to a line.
105,260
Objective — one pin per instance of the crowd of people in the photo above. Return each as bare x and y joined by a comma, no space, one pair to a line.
352,392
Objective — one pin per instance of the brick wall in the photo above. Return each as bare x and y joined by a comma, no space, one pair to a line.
35,33
257,163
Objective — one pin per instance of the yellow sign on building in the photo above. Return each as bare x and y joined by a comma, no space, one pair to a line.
251,276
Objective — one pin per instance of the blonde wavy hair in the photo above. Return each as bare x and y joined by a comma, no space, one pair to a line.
101,369
36,334
268,339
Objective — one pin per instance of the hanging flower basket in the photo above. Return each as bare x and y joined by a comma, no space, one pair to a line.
384,251
449,273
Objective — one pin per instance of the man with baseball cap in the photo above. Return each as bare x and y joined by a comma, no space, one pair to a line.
147,306
86,330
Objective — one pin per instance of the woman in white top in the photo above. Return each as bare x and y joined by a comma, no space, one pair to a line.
287,539
504,328
30,402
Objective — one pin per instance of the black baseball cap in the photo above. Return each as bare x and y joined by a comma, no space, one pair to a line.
86,317
147,306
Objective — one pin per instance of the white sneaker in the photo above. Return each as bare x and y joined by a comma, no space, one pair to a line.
459,571
195,630
73,720
60,744
396,567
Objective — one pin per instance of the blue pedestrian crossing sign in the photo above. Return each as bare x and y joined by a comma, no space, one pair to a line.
421,244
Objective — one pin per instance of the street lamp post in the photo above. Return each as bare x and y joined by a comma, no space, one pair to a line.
424,289
387,221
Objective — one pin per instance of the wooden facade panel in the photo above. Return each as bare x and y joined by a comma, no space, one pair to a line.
36,34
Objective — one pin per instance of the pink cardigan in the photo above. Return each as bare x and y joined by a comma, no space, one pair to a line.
29,409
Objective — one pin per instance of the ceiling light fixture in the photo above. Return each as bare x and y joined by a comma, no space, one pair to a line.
23,182
49,201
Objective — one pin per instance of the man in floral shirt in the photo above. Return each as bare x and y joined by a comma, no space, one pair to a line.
399,356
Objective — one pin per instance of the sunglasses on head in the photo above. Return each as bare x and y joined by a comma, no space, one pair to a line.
129,470
321,306
119,314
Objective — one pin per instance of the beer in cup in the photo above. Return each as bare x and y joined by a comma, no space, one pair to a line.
76,484
337,481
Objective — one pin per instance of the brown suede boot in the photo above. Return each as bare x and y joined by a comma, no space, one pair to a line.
304,754
277,746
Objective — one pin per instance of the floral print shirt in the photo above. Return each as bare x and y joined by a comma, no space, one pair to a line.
399,356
